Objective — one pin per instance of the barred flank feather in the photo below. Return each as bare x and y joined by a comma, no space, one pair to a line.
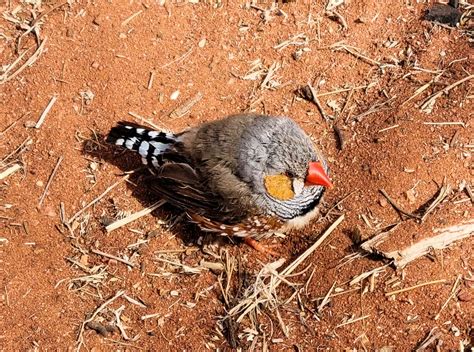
151,145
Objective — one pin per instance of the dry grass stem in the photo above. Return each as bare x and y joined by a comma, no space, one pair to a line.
111,256
150,316
150,80
262,293
98,198
442,281
365,275
470,193
50,180
129,19
433,335
179,59
290,268
132,217
352,321
80,337
316,102
442,194
355,52
10,171
35,23
342,90
375,108
145,120
417,92
10,126
5,77
326,298
388,128
340,18
428,103
134,301
46,111
397,207
118,322
454,123
268,81
298,40
452,294
186,269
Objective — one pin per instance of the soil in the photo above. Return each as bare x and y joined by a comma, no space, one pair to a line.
104,60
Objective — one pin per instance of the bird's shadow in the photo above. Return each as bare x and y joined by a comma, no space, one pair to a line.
139,176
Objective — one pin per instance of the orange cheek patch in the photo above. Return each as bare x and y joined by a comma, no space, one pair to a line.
279,186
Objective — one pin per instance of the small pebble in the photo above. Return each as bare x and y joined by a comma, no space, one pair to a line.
410,194
29,124
202,43
39,184
174,95
84,260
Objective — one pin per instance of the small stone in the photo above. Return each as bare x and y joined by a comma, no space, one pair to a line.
93,166
29,124
122,36
39,184
410,194
84,260
383,202
95,65
174,95
98,20
202,43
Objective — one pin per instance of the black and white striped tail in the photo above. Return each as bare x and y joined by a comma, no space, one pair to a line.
151,145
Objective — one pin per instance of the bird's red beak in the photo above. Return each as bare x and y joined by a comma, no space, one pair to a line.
317,176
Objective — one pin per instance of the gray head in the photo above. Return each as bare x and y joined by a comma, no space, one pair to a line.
277,145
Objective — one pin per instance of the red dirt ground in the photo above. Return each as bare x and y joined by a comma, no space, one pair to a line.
96,47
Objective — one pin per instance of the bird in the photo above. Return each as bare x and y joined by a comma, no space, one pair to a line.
245,175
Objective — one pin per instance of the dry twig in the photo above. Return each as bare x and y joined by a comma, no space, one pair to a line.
50,180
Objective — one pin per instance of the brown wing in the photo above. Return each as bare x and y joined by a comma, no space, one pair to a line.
181,186
256,226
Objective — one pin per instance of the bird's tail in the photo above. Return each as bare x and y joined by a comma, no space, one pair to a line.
151,145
